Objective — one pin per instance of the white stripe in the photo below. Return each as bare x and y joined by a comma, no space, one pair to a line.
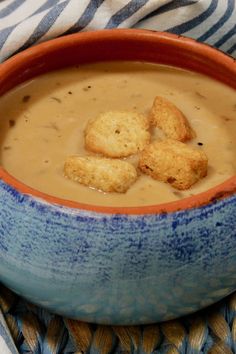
63,1
3,347
234,53
149,7
66,19
5,337
5,3
178,16
21,13
20,35
104,13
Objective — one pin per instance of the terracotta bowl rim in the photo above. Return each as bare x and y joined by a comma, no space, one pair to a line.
219,192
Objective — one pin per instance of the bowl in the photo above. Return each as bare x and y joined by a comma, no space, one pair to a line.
131,265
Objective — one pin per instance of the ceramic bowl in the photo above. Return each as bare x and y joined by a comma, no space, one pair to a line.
118,265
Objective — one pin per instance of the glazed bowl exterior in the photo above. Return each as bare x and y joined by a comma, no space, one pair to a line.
118,265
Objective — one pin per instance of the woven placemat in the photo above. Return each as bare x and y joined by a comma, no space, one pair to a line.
37,331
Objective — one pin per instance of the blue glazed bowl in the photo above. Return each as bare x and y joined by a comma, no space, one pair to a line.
118,265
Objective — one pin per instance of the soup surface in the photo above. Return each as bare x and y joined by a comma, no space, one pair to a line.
43,121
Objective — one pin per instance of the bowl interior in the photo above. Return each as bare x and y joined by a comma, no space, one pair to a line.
133,45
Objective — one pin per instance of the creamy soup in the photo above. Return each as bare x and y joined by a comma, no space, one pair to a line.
43,120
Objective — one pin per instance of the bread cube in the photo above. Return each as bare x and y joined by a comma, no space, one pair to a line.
174,162
117,133
166,116
107,175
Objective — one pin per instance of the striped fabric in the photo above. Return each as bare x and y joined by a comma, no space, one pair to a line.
26,22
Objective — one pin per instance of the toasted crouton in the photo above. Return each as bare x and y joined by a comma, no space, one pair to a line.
166,116
174,162
105,174
117,133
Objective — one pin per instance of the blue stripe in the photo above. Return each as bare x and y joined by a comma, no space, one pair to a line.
46,6
4,34
44,25
124,13
232,49
220,23
86,17
10,8
227,36
169,7
7,339
187,26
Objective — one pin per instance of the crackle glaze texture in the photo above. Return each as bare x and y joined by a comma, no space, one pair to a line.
117,268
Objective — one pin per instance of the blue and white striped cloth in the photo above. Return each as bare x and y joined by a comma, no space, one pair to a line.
24,23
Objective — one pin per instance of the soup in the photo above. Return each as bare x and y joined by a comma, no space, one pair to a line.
43,121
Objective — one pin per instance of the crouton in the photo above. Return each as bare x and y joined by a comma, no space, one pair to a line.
174,162
117,133
166,116
104,174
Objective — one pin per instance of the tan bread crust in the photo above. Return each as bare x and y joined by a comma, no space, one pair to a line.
117,133
174,162
107,175
166,116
